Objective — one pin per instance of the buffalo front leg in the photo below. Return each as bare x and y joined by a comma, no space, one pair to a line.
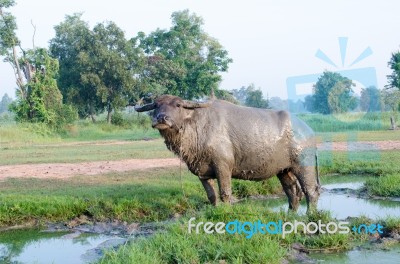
224,183
292,189
208,185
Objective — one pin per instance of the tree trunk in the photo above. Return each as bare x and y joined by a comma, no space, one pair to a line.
393,123
109,110
91,113
93,118
20,78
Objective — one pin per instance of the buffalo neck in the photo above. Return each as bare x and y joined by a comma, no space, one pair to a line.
186,141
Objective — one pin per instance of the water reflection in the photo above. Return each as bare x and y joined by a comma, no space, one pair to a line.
33,246
359,256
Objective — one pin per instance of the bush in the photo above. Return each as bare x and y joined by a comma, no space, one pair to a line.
118,120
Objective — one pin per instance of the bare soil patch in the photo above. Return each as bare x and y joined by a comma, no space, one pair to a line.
360,145
66,170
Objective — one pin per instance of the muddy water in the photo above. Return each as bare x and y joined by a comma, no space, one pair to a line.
34,246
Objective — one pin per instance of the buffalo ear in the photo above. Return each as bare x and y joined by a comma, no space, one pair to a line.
145,108
192,105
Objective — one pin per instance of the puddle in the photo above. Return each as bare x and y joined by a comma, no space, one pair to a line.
338,198
359,256
344,185
34,246
342,206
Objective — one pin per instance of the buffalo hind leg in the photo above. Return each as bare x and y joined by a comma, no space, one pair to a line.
292,189
208,185
307,178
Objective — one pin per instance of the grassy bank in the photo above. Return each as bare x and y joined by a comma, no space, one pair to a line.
177,245
142,196
377,163
386,185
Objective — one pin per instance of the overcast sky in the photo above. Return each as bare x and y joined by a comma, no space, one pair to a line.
269,41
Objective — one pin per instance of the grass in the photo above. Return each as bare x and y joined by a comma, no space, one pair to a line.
177,245
143,196
375,163
66,152
22,134
388,185
358,121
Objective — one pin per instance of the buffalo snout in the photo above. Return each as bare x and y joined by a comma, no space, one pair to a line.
162,121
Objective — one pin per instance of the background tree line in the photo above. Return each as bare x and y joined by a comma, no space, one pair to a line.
99,69
86,71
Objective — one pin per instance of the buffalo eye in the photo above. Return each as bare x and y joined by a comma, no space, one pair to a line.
178,105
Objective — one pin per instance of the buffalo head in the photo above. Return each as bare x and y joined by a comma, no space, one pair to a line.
170,111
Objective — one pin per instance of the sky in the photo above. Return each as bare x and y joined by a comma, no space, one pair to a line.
270,42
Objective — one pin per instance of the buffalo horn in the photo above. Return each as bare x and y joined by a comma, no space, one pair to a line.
192,105
145,108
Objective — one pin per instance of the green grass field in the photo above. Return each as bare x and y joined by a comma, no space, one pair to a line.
359,121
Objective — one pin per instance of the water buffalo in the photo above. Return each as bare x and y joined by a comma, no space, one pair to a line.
220,140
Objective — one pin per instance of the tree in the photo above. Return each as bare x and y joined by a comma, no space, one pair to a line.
241,94
5,102
38,97
43,100
70,46
97,66
394,65
109,67
226,95
255,98
250,96
9,42
184,59
309,103
391,102
333,94
278,104
339,98
370,100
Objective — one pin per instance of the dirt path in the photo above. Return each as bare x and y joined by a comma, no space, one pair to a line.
360,145
65,170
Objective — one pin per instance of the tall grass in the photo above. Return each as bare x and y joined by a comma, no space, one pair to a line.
359,121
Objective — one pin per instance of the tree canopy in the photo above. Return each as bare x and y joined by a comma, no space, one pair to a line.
183,59
370,100
333,93
97,66
250,96
394,65
4,103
